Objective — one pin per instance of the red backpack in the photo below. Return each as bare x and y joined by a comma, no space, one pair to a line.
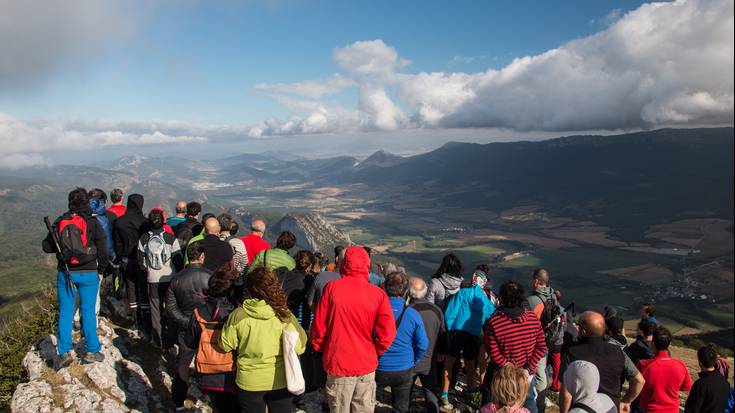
73,239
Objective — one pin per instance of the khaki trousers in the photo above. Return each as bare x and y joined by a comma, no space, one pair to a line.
354,394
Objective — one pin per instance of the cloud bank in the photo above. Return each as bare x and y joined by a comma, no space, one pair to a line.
664,64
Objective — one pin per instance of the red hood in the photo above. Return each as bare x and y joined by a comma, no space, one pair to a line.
356,263
158,208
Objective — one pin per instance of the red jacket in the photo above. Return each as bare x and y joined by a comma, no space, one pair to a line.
353,322
253,245
665,378
118,210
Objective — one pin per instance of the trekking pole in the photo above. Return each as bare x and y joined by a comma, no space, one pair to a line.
59,255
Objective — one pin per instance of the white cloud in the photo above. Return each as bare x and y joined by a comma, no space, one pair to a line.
663,64
312,89
25,143
372,59
39,37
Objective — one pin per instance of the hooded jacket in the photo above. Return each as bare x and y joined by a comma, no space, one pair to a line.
129,227
582,380
536,300
254,331
468,310
352,329
95,236
186,292
514,335
100,213
440,289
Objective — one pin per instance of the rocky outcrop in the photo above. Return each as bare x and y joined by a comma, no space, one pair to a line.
312,231
133,377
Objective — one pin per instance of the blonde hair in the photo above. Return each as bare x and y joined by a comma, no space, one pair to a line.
509,387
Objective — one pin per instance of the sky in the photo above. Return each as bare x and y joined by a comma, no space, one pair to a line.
109,78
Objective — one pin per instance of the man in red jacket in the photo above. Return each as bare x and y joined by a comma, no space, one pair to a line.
353,325
665,377
254,242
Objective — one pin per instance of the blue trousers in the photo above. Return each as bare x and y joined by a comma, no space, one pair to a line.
86,285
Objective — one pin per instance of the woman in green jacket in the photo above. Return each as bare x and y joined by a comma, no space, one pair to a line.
254,332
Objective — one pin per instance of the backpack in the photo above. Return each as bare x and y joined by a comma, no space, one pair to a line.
73,240
210,358
552,320
157,251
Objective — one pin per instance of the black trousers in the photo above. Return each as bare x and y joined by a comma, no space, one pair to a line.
180,385
431,389
278,401
138,301
400,383
157,292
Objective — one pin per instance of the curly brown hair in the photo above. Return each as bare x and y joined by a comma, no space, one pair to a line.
263,284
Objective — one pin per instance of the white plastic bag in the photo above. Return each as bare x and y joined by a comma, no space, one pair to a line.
294,377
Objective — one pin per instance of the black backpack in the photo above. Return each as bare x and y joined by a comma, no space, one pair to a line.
552,320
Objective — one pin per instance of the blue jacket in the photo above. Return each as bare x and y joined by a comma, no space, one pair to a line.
410,343
99,212
468,310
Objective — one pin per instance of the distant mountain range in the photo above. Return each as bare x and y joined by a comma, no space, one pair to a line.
634,179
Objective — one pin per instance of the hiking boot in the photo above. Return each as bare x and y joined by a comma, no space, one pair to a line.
93,358
64,360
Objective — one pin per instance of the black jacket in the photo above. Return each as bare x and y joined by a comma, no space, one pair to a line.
186,230
640,349
95,236
129,227
709,394
433,319
222,307
216,252
186,292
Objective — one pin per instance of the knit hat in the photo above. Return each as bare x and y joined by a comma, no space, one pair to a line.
216,252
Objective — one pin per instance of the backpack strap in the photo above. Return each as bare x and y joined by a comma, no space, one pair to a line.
400,317
583,407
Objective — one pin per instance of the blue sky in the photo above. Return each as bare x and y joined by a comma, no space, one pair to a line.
339,77
193,62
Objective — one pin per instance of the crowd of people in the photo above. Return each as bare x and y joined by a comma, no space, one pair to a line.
243,311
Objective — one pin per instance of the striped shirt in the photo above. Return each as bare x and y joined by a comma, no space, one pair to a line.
518,340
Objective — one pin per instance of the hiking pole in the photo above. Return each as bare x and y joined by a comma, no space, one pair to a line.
59,255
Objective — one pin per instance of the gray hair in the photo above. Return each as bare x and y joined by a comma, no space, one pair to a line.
417,288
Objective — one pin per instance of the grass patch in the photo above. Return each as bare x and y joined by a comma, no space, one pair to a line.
32,322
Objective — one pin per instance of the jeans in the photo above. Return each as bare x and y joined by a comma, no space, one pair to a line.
86,285
277,401
400,387
530,402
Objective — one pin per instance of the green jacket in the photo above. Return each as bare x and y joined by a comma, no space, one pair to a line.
254,331
275,259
